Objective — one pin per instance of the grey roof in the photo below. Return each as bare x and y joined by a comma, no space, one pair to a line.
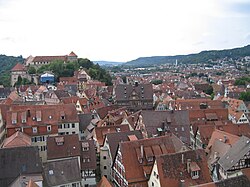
115,138
16,161
5,92
173,120
71,88
220,147
237,152
239,181
61,172
84,121
143,91
61,93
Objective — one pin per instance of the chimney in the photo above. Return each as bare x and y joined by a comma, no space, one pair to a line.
188,165
133,118
28,113
182,183
141,151
225,139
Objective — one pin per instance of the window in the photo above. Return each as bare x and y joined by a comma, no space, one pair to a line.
66,125
60,126
176,129
73,125
153,184
34,129
104,157
104,167
49,128
182,128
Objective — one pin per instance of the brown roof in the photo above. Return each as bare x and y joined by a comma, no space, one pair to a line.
173,168
194,104
100,132
18,67
203,115
72,54
88,155
224,137
239,130
115,138
102,112
49,58
18,139
104,182
143,91
132,151
63,146
177,122
50,114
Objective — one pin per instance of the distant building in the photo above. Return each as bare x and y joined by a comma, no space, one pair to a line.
16,71
134,97
38,61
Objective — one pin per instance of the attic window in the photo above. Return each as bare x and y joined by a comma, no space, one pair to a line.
118,129
62,115
51,172
59,140
14,118
50,117
85,146
195,169
38,116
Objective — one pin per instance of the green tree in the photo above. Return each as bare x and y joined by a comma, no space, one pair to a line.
245,96
32,70
209,90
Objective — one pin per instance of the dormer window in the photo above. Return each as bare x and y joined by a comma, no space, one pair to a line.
85,146
14,118
34,130
48,128
195,169
62,115
59,140
38,116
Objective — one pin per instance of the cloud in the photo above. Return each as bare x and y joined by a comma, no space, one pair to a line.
8,39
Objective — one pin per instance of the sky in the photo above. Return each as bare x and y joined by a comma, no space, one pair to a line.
121,30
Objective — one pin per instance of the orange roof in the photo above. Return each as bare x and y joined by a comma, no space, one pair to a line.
18,139
31,183
104,182
72,54
18,67
133,151
223,136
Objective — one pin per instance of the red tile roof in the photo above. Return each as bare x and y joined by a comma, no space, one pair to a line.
104,182
49,58
18,67
72,54
132,151
173,168
100,132
18,139
63,146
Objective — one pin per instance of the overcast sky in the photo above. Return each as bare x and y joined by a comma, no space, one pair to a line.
121,30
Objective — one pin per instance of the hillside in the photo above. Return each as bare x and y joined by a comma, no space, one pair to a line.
108,63
6,64
202,57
